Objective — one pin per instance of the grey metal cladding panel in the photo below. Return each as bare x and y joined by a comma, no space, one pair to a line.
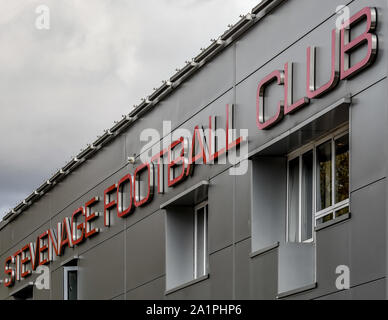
15,246
43,294
368,234
341,295
57,285
198,291
106,162
221,273
247,90
220,216
264,276
6,238
242,274
153,290
120,297
375,290
3,292
214,108
30,220
145,250
280,29
101,270
368,136
243,208
214,79
333,250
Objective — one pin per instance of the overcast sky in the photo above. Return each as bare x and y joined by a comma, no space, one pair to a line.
98,58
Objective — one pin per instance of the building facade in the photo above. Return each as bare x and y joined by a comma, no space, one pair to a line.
258,171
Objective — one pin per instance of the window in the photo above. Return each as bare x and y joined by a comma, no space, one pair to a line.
187,237
70,283
200,241
318,185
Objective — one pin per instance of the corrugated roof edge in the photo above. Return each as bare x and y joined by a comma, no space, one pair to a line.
228,37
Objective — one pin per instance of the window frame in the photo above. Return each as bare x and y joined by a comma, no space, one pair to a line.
66,281
298,153
203,205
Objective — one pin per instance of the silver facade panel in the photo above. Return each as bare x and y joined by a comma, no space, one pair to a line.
367,140
242,270
337,237
242,216
368,258
222,281
263,280
152,290
106,275
145,251
221,211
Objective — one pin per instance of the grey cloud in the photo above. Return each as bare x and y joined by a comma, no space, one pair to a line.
99,58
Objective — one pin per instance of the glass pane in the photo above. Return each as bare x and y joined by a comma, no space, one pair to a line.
342,169
201,242
324,176
325,219
293,201
72,285
341,212
307,196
